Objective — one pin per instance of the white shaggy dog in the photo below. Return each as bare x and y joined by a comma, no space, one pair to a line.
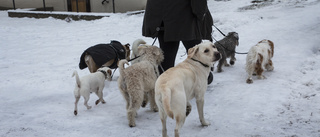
138,79
176,86
135,57
259,58
93,82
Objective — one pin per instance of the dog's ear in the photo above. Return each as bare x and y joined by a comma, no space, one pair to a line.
236,35
109,72
127,46
271,46
193,51
157,51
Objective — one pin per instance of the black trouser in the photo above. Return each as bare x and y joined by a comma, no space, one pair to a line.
170,50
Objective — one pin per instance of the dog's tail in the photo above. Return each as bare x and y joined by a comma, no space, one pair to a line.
121,65
166,101
135,46
75,73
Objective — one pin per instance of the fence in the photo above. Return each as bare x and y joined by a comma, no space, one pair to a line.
77,5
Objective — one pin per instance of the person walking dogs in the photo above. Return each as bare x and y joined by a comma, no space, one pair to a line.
172,21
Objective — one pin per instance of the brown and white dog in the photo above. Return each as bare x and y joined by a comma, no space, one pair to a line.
259,58
178,85
104,55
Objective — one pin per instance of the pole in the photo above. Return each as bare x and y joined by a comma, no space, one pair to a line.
44,5
77,6
113,6
14,5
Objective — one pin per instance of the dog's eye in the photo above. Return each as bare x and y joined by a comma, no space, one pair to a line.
206,51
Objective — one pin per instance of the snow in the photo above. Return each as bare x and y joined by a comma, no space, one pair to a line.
38,56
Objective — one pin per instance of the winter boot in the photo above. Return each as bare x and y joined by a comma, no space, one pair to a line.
210,78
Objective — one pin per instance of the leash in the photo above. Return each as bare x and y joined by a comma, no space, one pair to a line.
113,72
218,29
222,45
228,49
155,39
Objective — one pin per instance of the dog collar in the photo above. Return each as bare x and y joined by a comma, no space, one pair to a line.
205,65
104,72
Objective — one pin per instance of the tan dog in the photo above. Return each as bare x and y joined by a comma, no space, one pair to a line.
104,55
259,58
138,79
93,82
176,86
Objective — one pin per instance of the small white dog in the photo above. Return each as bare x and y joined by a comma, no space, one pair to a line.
259,58
138,79
93,82
176,86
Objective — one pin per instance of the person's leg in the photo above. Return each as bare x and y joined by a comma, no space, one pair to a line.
191,43
170,50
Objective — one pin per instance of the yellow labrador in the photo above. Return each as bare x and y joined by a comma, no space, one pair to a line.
176,86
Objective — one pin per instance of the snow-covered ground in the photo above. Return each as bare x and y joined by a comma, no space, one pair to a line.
38,56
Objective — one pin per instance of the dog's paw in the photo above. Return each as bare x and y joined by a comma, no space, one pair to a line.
270,68
75,112
89,107
219,70
97,102
144,104
132,124
227,65
188,110
262,77
155,109
249,81
232,62
205,123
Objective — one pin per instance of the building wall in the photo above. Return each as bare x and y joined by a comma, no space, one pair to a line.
59,5
96,5
120,5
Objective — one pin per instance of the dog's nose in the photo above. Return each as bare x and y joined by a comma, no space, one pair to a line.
217,55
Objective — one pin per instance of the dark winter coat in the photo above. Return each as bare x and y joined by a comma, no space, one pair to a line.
181,19
102,53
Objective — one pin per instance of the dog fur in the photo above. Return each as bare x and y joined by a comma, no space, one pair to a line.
138,79
176,86
93,82
227,48
139,43
259,58
92,65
